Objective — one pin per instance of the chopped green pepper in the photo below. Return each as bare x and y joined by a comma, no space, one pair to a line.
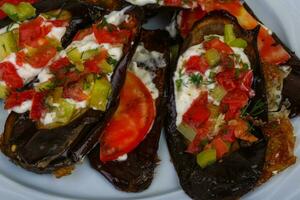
64,111
20,12
239,42
229,35
213,57
187,131
48,85
105,67
3,91
207,157
8,44
218,93
100,93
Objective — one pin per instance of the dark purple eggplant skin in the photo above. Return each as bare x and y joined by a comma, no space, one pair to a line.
47,150
136,173
291,85
237,173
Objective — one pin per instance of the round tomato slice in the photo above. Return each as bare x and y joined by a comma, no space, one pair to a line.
131,122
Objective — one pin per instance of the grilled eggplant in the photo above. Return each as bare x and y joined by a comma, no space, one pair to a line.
135,174
43,149
237,173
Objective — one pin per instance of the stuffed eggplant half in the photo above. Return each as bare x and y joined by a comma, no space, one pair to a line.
127,155
54,121
216,108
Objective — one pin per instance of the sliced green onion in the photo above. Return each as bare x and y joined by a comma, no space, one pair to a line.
212,57
239,42
229,35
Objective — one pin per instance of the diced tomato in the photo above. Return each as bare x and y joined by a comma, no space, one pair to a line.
131,122
227,79
10,76
227,61
241,130
173,2
196,64
41,57
72,76
194,146
233,102
220,146
75,92
20,58
270,51
17,98
59,64
245,82
188,18
92,65
15,2
82,33
111,36
37,107
228,135
218,45
31,31
198,113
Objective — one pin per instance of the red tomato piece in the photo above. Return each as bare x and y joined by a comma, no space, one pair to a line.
245,82
196,64
59,64
240,129
227,79
42,57
220,146
218,45
75,92
37,107
198,113
270,51
188,18
17,98
228,136
31,31
82,33
20,58
233,102
131,122
173,2
92,65
113,37
10,76
194,146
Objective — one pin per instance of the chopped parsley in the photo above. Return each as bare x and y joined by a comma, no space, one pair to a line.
196,79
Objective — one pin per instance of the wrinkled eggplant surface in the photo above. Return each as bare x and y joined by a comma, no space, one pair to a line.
136,173
291,85
47,150
237,173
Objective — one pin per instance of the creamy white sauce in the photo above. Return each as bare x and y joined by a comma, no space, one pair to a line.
143,2
24,107
115,51
172,29
48,118
122,158
78,104
146,77
151,59
117,17
188,91
45,75
57,32
89,42
9,28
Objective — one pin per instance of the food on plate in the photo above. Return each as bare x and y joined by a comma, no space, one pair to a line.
20,4
216,110
54,120
127,154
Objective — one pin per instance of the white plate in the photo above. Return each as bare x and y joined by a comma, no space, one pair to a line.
85,183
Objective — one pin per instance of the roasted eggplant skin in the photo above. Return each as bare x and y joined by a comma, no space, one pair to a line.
136,173
48,150
238,172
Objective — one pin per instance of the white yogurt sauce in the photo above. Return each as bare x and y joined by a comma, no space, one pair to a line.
78,104
143,2
57,32
9,28
122,158
188,91
45,75
117,17
24,107
48,118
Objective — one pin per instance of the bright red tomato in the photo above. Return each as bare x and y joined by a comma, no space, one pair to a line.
196,64
194,146
37,107
41,57
218,45
131,122
10,76
59,64
92,65
20,58
113,37
17,98
245,82
227,79
173,2
31,31
220,146
75,92
82,33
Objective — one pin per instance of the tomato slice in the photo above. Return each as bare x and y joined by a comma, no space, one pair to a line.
10,76
17,98
37,106
131,122
20,58
227,79
218,45
188,18
59,64
41,57
196,64
75,92
104,35
82,33
220,146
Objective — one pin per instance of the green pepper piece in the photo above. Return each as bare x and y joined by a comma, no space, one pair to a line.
187,131
3,91
218,93
74,55
48,85
8,44
106,67
229,35
207,157
100,93
64,111
239,42
89,54
213,57
20,12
